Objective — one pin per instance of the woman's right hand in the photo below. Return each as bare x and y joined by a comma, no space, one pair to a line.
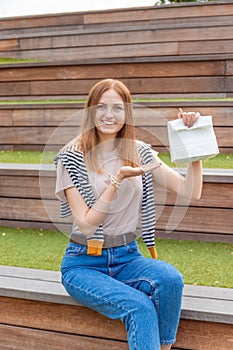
128,171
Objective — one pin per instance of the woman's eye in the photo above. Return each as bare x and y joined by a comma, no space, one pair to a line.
101,107
118,108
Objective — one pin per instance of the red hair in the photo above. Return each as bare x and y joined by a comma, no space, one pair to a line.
88,139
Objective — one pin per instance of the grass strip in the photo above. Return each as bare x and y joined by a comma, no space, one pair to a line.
221,161
201,263
6,60
135,100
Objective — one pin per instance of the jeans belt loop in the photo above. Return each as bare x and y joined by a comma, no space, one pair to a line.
124,239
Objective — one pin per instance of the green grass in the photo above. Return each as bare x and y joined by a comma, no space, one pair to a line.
26,102
224,161
5,60
39,249
201,263
221,161
135,100
31,157
208,264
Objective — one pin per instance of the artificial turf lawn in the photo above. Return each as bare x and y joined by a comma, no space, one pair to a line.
201,263
224,161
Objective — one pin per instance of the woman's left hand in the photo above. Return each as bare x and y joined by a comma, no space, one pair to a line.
189,118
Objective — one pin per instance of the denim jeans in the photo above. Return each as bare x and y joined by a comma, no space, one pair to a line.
145,294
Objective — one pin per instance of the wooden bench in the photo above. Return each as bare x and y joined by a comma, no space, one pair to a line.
209,219
34,127
36,312
192,76
129,33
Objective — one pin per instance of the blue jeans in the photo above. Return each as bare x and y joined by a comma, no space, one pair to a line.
145,294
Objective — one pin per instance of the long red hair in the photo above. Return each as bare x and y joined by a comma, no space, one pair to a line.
88,140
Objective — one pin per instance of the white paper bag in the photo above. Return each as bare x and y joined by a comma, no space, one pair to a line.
191,144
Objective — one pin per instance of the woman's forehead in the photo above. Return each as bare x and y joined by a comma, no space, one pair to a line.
110,97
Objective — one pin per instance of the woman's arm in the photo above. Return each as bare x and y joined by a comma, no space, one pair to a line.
189,186
88,219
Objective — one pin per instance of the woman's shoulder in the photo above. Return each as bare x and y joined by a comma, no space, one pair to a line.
141,145
145,149
70,150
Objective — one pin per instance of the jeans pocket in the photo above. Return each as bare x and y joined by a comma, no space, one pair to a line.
75,249
132,247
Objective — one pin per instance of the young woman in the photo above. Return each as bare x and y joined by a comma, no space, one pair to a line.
105,180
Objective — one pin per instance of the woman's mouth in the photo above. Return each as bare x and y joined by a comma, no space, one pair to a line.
106,122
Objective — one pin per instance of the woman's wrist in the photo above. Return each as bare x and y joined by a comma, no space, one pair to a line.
115,181
119,177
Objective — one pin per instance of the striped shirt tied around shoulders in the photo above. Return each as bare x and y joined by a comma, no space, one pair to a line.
73,161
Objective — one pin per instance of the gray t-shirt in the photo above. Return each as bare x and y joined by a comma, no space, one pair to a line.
125,209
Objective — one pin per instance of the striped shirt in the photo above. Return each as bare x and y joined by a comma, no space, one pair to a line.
74,163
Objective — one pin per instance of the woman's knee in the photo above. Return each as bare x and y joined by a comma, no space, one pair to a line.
170,278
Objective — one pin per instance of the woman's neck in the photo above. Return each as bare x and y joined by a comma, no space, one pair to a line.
107,145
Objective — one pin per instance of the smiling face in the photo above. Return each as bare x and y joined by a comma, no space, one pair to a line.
110,115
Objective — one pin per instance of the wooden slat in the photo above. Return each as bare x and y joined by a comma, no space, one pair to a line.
196,219
72,319
204,335
41,20
161,12
214,195
6,118
206,47
51,136
14,186
131,50
15,89
48,170
8,45
124,70
229,67
38,136
48,117
26,338
178,218
157,23
137,86
146,114
41,275
147,34
113,16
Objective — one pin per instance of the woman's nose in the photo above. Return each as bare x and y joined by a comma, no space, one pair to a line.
109,111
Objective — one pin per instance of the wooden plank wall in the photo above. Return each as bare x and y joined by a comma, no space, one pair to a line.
148,31
190,76
209,219
36,127
171,51
147,74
